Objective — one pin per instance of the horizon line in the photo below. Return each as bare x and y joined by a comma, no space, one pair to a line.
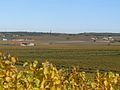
53,32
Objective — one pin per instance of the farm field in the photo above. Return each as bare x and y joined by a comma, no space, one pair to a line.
88,57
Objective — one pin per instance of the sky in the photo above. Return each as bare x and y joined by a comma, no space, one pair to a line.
61,16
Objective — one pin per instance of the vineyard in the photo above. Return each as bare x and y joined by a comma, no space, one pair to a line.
48,77
88,57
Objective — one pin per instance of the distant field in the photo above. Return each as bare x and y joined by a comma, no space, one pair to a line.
87,57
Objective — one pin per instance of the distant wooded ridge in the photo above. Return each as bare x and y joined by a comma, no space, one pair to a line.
49,33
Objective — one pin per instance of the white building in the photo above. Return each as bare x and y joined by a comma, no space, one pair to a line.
4,39
105,38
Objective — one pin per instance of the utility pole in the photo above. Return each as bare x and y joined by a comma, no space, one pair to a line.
50,32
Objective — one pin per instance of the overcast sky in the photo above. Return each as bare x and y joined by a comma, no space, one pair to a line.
67,16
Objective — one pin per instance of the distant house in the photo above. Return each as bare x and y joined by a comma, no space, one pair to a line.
4,39
108,38
105,38
111,39
27,44
94,39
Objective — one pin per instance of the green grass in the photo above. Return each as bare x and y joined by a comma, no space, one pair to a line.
88,57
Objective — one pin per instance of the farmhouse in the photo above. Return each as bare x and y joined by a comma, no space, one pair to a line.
27,44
